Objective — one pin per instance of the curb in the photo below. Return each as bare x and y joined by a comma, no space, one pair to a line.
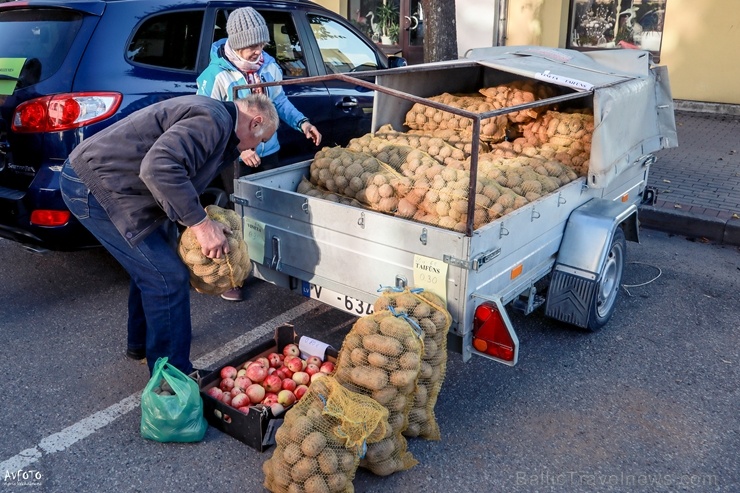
722,228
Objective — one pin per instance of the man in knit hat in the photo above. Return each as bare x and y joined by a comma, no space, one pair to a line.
240,60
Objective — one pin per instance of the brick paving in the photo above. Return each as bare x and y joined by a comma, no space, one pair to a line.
698,182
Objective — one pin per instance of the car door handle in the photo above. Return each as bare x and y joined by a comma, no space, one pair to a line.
348,102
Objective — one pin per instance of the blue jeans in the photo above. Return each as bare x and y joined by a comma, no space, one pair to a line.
159,293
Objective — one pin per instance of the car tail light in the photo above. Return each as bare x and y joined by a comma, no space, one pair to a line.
491,334
64,111
43,217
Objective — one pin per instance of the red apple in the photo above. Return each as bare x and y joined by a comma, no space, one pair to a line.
300,391
301,378
241,372
293,363
236,391
226,384
277,409
226,398
216,392
246,364
275,360
272,383
256,393
240,400
281,373
286,398
242,382
315,360
289,384
311,368
256,372
291,350
228,372
327,367
243,409
263,361
270,399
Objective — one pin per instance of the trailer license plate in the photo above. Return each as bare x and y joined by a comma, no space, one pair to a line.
337,300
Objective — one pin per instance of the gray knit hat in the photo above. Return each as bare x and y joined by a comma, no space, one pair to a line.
246,27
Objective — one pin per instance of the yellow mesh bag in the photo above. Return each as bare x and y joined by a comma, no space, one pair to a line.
381,358
430,313
322,438
305,187
218,275
516,93
423,117
356,175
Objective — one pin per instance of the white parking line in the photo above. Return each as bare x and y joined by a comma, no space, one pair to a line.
58,442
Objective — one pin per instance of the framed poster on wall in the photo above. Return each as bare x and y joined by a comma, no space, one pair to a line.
617,24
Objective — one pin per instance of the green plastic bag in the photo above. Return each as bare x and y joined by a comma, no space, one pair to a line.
172,418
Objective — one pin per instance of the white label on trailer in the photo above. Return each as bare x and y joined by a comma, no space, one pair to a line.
562,80
255,239
431,274
337,300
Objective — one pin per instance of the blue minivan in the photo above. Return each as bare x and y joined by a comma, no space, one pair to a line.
69,68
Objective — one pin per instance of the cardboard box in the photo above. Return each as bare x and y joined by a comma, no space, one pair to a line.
257,428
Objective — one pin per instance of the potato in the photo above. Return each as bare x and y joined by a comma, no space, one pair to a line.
313,444
369,377
316,484
382,344
378,360
292,452
303,469
380,451
385,396
403,378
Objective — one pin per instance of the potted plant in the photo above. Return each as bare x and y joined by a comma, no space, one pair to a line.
387,19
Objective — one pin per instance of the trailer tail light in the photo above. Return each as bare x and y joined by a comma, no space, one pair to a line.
64,111
491,335
49,218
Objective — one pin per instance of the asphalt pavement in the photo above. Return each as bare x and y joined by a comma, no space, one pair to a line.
698,182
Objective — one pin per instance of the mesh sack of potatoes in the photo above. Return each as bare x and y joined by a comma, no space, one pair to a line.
430,313
322,438
216,275
305,187
357,175
393,147
564,136
423,117
381,357
516,93
530,177
440,197
419,139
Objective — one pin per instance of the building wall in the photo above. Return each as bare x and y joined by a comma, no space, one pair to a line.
700,42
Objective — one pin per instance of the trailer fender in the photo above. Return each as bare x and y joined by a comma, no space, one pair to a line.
585,259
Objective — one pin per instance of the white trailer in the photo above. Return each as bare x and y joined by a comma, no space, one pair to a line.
574,237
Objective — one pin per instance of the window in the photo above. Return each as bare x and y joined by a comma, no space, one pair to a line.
168,40
40,36
341,50
285,46
604,24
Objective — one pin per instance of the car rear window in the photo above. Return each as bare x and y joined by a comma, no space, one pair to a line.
168,40
41,37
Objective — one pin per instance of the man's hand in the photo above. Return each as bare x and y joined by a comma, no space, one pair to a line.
311,133
250,158
212,238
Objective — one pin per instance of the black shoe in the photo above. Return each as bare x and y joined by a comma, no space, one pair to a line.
137,354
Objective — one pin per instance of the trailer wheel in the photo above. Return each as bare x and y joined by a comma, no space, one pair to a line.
605,297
